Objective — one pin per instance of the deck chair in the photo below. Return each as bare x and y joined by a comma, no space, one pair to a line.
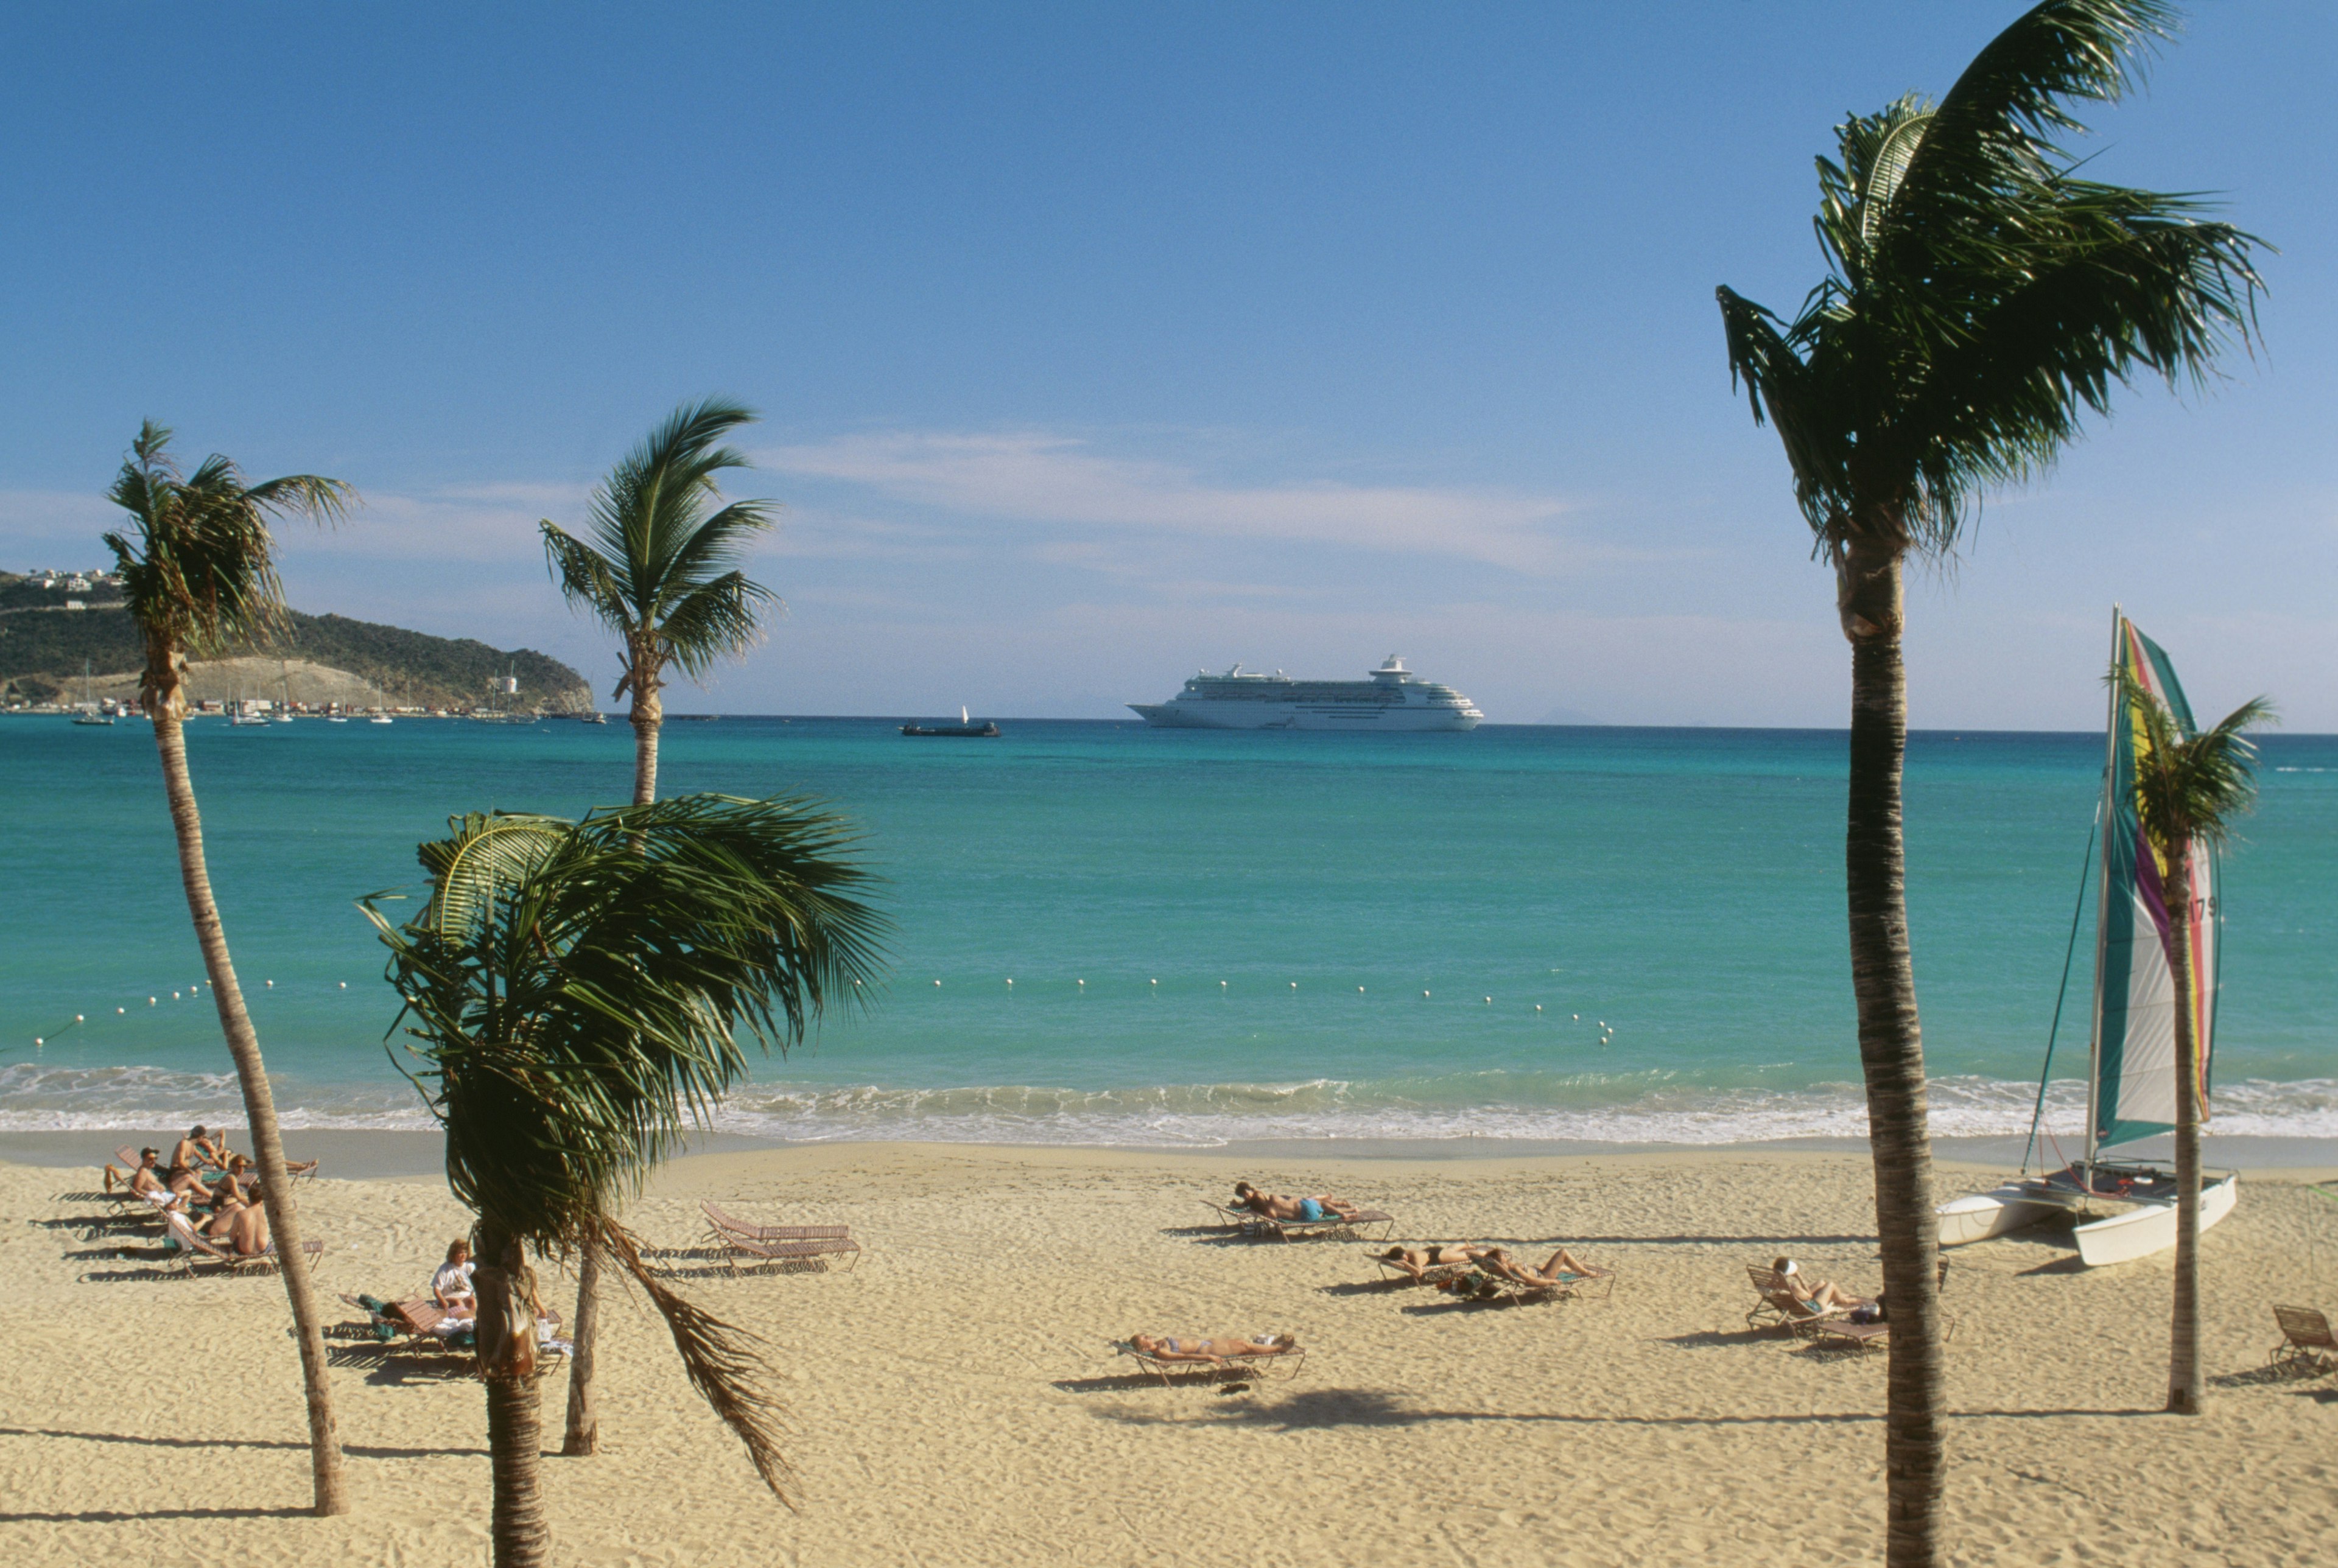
1281,1365
2306,1348
1255,1225
744,1252
1781,1308
725,1226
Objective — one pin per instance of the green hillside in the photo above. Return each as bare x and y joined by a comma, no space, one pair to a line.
41,649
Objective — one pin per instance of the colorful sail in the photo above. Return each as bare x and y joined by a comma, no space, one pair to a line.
2134,989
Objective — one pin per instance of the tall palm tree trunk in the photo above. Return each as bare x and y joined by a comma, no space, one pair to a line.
521,1536
582,1435
1891,1056
2184,1382
259,1108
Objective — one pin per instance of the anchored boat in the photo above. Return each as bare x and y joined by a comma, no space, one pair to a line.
2131,1057
966,729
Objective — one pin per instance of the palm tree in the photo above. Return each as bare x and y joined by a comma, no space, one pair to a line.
198,576
577,991
659,567
1981,299
2188,789
659,571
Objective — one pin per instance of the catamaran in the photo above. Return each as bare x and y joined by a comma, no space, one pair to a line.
2131,1064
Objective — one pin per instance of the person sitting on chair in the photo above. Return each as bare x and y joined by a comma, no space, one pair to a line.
1415,1262
146,1182
451,1286
1167,1347
1304,1211
198,1152
247,1231
182,1180
1827,1296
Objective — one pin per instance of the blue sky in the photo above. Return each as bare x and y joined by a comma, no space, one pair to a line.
1098,343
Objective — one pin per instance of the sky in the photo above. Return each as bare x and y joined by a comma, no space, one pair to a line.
1094,345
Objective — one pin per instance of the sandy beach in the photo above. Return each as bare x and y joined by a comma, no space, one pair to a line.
955,1399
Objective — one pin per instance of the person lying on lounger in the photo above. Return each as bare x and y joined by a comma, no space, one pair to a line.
451,1286
221,1224
1216,1352
1306,1210
1561,1267
1417,1262
1827,1296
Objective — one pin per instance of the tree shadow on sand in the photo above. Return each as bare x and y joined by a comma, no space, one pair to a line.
143,1440
1317,1409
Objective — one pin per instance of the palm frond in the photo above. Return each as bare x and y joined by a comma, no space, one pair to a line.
660,562
722,1362
1981,297
198,559
2191,788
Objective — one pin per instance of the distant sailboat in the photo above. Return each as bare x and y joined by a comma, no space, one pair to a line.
2131,1066
90,713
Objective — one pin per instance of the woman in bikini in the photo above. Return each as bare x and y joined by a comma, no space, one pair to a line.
1169,1348
1562,1266
1827,1296
1415,1262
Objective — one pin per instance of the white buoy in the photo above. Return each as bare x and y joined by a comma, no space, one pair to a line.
38,1041
150,1001
1424,996
937,984
1294,984
78,1018
122,1009
1010,980
175,995
1489,1001
1155,982
1222,984
1537,1007
1576,1016
345,984
271,984
1360,990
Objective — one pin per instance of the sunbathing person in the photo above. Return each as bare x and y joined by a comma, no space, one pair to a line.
1216,1352
146,1182
451,1286
1417,1262
247,1231
182,1180
1561,1267
1827,1296
1306,1211
221,1224
198,1152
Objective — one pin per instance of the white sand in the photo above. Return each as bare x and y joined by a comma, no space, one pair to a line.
956,1402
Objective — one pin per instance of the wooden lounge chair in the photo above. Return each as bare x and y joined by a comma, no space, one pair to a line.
1355,1224
1282,1365
725,1226
1780,1307
415,1325
1597,1285
2306,1348
742,1252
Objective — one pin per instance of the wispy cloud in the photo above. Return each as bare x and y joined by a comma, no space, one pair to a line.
1035,476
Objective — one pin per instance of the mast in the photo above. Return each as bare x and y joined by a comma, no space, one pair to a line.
2105,813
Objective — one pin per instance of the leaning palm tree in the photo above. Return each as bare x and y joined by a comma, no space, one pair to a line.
576,992
2188,790
1981,298
198,576
660,571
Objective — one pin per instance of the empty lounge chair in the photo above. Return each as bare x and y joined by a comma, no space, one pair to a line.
2306,1348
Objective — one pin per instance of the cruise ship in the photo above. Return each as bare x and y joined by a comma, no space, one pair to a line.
1393,699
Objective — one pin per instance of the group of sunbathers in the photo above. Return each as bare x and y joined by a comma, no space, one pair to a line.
225,1211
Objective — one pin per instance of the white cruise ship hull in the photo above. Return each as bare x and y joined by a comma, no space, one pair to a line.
1390,718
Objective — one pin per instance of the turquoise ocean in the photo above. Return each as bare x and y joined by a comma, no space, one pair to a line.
1604,934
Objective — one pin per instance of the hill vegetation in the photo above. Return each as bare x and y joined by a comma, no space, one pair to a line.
42,649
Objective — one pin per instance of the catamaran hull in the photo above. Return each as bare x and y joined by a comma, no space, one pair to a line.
2122,1238
1982,1215
2140,1233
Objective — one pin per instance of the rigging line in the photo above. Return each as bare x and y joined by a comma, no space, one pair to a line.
2071,950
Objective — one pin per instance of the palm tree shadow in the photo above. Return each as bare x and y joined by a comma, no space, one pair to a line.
1715,1338
128,1516
139,1440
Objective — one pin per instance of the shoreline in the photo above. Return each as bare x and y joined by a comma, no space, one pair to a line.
370,1155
